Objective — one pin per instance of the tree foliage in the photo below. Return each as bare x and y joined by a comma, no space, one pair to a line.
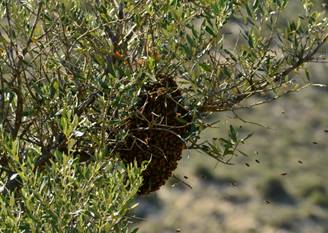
71,71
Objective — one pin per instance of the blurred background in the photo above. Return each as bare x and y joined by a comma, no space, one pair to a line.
281,186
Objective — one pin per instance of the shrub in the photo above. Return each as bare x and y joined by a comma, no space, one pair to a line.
72,74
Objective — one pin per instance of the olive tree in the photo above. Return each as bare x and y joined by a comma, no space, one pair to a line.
71,72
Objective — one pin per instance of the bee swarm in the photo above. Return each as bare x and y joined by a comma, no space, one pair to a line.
156,131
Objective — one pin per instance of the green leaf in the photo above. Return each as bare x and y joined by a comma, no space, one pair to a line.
233,133
210,31
307,74
249,10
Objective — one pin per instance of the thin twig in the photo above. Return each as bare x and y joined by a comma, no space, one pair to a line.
182,181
